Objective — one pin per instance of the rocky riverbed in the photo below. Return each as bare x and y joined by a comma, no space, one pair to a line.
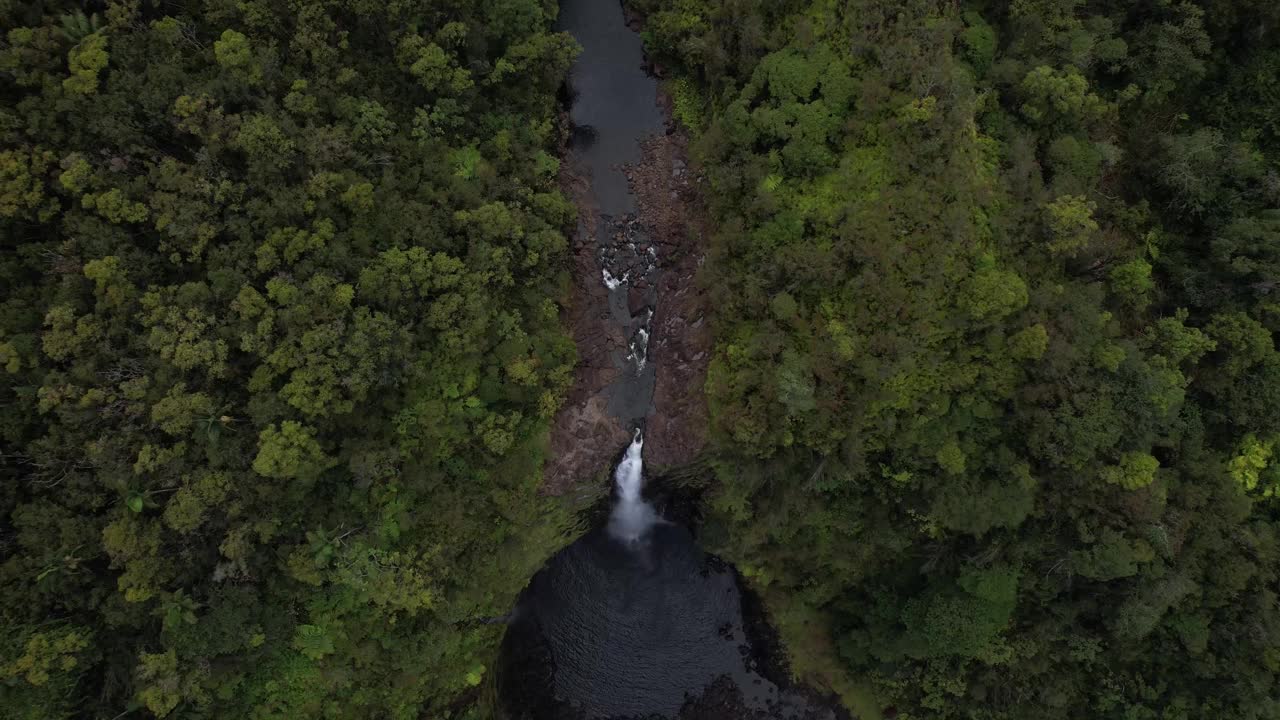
644,343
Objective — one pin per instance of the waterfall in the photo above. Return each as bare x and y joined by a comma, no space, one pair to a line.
632,516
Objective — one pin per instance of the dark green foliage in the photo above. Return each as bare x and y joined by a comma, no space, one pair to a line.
994,384
279,344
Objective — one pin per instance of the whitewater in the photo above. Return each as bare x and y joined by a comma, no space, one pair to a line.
632,516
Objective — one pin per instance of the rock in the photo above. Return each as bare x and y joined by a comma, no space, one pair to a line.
584,440
636,300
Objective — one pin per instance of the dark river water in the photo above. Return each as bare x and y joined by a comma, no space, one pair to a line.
614,104
611,629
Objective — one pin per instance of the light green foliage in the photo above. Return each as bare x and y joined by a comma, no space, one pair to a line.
298,101
1060,97
1071,224
1029,343
290,451
313,642
196,501
1244,340
433,66
67,334
966,621
161,690
371,125
115,206
1108,356
179,410
804,94
87,60
919,110
182,334
992,293
76,25
1171,337
466,162
1135,471
688,104
234,52
784,306
21,183
795,386
46,654
951,458
288,245
1132,282
232,49
1249,466
359,197
77,174
1076,162
262,139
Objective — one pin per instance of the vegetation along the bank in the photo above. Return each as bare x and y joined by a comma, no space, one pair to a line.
280,346
995,392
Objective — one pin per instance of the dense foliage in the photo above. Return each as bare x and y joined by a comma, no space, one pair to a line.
995,390
280,342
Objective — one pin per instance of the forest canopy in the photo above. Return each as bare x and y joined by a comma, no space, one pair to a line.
280,345
995,384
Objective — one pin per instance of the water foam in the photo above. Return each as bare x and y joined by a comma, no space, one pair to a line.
632,516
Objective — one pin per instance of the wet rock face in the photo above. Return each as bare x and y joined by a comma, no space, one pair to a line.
681,346
582,430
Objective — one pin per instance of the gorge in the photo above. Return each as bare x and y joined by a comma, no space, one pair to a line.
633,619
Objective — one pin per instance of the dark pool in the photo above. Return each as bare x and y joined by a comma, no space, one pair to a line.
647,630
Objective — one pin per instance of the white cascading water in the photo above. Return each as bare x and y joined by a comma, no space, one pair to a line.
611,282
640,347
632,516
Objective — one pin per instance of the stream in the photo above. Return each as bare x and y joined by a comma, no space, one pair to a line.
634,620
